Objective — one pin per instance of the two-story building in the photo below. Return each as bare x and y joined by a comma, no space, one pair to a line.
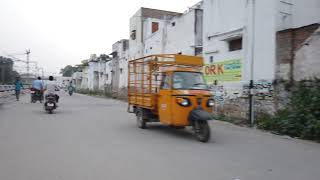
244,37
256,40
144,23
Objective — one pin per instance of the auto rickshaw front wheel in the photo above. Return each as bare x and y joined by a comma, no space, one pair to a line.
140,120
202,130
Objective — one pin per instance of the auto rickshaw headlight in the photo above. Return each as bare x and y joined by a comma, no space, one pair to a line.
210,103
183,101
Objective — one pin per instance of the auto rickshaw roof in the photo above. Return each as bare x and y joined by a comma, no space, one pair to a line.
171,60
179,69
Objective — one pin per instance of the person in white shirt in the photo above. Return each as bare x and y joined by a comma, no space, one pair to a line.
51,87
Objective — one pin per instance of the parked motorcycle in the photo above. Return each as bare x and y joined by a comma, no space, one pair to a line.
51,103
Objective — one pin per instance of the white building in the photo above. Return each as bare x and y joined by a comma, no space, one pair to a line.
84,75
120,53
229,41
97,72
77,79
163,32
144,24
182,34
108,73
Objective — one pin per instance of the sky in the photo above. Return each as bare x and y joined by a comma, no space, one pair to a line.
63,32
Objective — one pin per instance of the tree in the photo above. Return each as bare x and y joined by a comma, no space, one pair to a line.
7,74
68,71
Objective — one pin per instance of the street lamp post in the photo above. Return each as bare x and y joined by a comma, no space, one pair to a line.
251,86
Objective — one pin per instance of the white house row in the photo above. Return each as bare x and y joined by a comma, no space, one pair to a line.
101,72
240,40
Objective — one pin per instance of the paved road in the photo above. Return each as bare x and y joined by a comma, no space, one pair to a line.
95,139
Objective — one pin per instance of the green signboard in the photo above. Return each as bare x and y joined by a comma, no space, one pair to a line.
224,71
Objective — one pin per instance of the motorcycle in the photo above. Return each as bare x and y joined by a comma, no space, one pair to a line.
51,103
36,95
70,90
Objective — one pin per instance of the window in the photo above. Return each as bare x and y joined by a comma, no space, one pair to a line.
133,34
107,76
165,82
235,44
155,27
173,24
211,59
188,80
198,51
125,45
121,70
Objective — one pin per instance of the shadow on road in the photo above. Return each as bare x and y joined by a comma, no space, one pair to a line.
44,112
186,133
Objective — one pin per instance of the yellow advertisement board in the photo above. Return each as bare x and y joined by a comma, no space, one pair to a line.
224,71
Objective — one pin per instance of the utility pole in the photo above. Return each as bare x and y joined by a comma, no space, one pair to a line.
251,85
28,62
36,69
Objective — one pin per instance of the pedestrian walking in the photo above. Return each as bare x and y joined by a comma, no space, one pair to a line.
18,87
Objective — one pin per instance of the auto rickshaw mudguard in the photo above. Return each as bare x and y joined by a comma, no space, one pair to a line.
198,114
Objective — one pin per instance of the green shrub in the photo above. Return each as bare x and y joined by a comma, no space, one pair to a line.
301,118
267,122
94,92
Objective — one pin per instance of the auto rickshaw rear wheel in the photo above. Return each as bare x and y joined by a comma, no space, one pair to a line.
202,131
140,120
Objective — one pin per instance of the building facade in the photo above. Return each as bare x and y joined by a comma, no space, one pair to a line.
77,80
120,53
97,72
143,24
260,40
243,31
255,40
182,34
84,75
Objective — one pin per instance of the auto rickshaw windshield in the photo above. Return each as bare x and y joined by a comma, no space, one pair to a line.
189,81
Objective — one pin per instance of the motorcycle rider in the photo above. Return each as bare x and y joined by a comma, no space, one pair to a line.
70,88
51,87
37,86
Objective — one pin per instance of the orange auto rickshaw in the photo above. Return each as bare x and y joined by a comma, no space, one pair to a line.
170,89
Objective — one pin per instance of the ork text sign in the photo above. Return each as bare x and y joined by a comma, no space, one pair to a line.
230,70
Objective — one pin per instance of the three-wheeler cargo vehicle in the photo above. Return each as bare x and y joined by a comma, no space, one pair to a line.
170,89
